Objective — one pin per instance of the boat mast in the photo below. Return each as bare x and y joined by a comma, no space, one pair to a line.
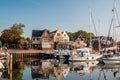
99,41
91,22
116,24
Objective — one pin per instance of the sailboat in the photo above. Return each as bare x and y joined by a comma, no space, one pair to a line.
111,55
85,53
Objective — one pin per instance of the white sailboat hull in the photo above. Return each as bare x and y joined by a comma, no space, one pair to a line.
111,60
91,57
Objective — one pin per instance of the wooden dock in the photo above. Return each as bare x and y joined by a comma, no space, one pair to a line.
29,51
22,54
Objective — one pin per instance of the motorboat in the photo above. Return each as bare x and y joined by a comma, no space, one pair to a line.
84,54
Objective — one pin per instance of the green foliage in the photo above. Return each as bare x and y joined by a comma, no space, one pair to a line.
90,35
0,43
23,43
18,28
28,39
81,33
17,71
10,37
70,34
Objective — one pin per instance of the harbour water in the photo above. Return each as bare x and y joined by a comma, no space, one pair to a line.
36,68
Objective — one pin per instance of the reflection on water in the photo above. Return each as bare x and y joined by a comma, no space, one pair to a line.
53,69
110,72
83,67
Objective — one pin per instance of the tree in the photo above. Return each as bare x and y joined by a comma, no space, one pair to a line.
28,40
10,37
70,34
90,35
18,28
0,43
81,33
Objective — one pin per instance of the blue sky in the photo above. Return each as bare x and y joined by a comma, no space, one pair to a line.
67,15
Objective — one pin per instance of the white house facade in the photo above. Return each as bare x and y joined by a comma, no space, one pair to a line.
66,37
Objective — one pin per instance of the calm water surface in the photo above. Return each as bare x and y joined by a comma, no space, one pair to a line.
53,69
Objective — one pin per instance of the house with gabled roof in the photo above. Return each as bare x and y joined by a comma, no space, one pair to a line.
41,40
61,39
79,42
57,36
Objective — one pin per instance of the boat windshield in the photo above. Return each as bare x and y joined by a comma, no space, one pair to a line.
83,53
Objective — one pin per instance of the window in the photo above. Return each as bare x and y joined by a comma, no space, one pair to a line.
64,35
46,40
37,39
46,45
58,34
33,39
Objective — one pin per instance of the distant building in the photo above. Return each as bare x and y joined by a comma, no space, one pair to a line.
118,46
66,37
41,40
78,42
102,42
